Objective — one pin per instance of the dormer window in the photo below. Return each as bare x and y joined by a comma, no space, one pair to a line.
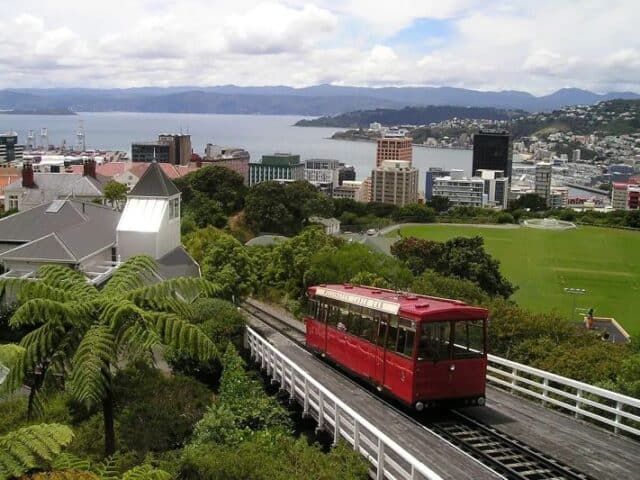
174,207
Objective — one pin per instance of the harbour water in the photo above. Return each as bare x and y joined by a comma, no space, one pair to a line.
258,134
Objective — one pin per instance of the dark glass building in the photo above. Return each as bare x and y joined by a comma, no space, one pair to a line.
492,150
10,151
150,151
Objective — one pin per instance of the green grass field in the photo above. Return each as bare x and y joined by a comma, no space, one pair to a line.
605,262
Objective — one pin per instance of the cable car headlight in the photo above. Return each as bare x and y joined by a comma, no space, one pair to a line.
452,367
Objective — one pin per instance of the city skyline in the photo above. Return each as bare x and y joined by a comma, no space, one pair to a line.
537,47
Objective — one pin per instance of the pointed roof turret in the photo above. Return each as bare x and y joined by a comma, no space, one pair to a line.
154,183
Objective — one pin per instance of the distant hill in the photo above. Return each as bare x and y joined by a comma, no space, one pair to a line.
407,115
316,100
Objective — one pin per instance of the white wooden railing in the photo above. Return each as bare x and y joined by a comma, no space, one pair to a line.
612,410
387,458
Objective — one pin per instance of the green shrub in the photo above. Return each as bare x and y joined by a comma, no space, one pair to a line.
271,456
504,217
155,412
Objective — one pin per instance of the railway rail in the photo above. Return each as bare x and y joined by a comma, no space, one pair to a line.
500,452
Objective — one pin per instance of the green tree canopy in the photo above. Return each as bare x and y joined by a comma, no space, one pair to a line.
216,183
459,257
114,192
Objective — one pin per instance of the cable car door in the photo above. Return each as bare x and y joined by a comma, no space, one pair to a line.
379,360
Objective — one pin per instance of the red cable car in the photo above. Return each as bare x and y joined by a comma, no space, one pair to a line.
423,351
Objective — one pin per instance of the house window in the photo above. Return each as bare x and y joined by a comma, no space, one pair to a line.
174,208
13,202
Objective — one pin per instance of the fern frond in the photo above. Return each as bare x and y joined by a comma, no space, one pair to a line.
186,289
91,377
146,472
183,335
67,461
41,310
107,470
10,353
64,278
135,273
23,290
31,447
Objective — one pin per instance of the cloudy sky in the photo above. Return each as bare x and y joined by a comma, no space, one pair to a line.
534,45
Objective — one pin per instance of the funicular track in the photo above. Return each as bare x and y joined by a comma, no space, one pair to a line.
502,453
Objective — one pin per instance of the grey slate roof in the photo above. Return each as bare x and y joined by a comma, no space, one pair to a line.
154,183
62,183
77,230
178,263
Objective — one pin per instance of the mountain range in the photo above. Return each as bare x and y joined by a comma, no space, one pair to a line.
308,101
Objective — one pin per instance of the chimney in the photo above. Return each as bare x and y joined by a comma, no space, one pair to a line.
27,176
89,168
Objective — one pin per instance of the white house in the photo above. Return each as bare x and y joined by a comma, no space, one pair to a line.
150,224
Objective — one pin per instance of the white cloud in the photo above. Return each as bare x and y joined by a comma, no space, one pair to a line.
536,46
275,28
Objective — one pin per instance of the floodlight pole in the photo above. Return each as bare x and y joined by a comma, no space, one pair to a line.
573,292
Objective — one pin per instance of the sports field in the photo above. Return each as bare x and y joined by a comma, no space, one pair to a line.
605,262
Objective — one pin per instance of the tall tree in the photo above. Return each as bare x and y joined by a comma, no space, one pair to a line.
84,335
115,193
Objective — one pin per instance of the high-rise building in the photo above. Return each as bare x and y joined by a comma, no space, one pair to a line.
575,155
279,167
460,190
559,197
10,151
236,159
170,148
633,197
395,181
324,173
360,191
347,173
619,196
392,148
492,150
496,187
543,181
431,175
150,151
179,147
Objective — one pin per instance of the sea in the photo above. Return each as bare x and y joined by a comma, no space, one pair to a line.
258,134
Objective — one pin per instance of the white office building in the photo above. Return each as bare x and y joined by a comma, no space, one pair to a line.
460,190
496,187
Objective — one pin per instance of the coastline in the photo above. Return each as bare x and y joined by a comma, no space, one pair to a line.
373,140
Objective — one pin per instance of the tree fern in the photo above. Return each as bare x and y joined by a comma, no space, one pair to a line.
67,461
91,377
31,447
135,273
146,472
183,335
67,279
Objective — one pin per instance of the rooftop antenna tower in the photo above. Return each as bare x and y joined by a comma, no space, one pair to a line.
80,137
44,138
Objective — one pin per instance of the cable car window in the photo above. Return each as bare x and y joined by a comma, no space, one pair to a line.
468,339
369,325
382,321
333,314
312,308
406,335
435,341
392,334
